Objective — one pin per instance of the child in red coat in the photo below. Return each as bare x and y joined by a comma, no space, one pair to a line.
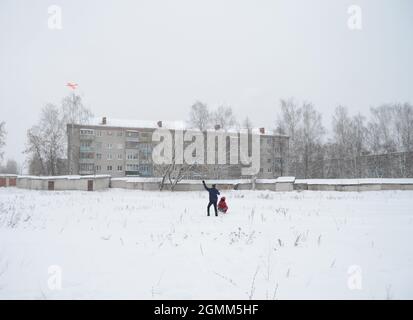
222,206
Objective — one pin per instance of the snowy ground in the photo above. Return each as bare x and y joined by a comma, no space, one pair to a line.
151,245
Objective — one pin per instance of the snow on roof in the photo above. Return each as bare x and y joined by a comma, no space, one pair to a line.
276,180
208,182
265,180
172,125
285,179
127,123
68,177
256,131
355,181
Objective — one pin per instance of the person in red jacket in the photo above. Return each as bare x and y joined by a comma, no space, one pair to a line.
222,206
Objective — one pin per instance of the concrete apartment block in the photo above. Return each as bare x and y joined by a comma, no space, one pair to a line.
124,148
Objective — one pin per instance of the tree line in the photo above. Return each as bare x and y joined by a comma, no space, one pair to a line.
313,151
388,129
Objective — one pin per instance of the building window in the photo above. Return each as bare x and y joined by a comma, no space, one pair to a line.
109,156
268,160
109,168
98,156
132,167
145,151
109,133
119,168
132,134
98,145
269,170
145,169
87,167
119,134
132,156
86,132
85,144
86,155
98,133
98,168
109,145
119,156
144,135
132,144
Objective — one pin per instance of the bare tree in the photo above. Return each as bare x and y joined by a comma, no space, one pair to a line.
247,124
381,134
288,122
46,141
172,173
348,143
403,123
2,138
303,124
358,143
10,167
224,117
74,112
311,133
340,148
35,165
199,116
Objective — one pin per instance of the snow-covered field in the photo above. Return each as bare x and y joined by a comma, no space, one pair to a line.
161,245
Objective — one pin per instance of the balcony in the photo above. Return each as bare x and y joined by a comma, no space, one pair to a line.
132,135
87,132
87,148
84,172
131,144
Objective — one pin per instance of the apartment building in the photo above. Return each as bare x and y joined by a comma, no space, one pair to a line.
124,148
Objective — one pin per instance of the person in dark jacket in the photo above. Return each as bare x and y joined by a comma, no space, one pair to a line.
213,197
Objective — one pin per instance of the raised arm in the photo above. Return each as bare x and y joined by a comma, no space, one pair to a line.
206,188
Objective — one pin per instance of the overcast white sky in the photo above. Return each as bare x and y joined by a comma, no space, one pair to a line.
152,59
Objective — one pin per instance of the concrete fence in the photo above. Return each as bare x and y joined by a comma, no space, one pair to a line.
84,183
353,184
281,184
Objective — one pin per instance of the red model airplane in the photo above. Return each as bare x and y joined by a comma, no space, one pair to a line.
72,85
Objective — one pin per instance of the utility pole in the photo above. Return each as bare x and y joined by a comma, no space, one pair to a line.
73,87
